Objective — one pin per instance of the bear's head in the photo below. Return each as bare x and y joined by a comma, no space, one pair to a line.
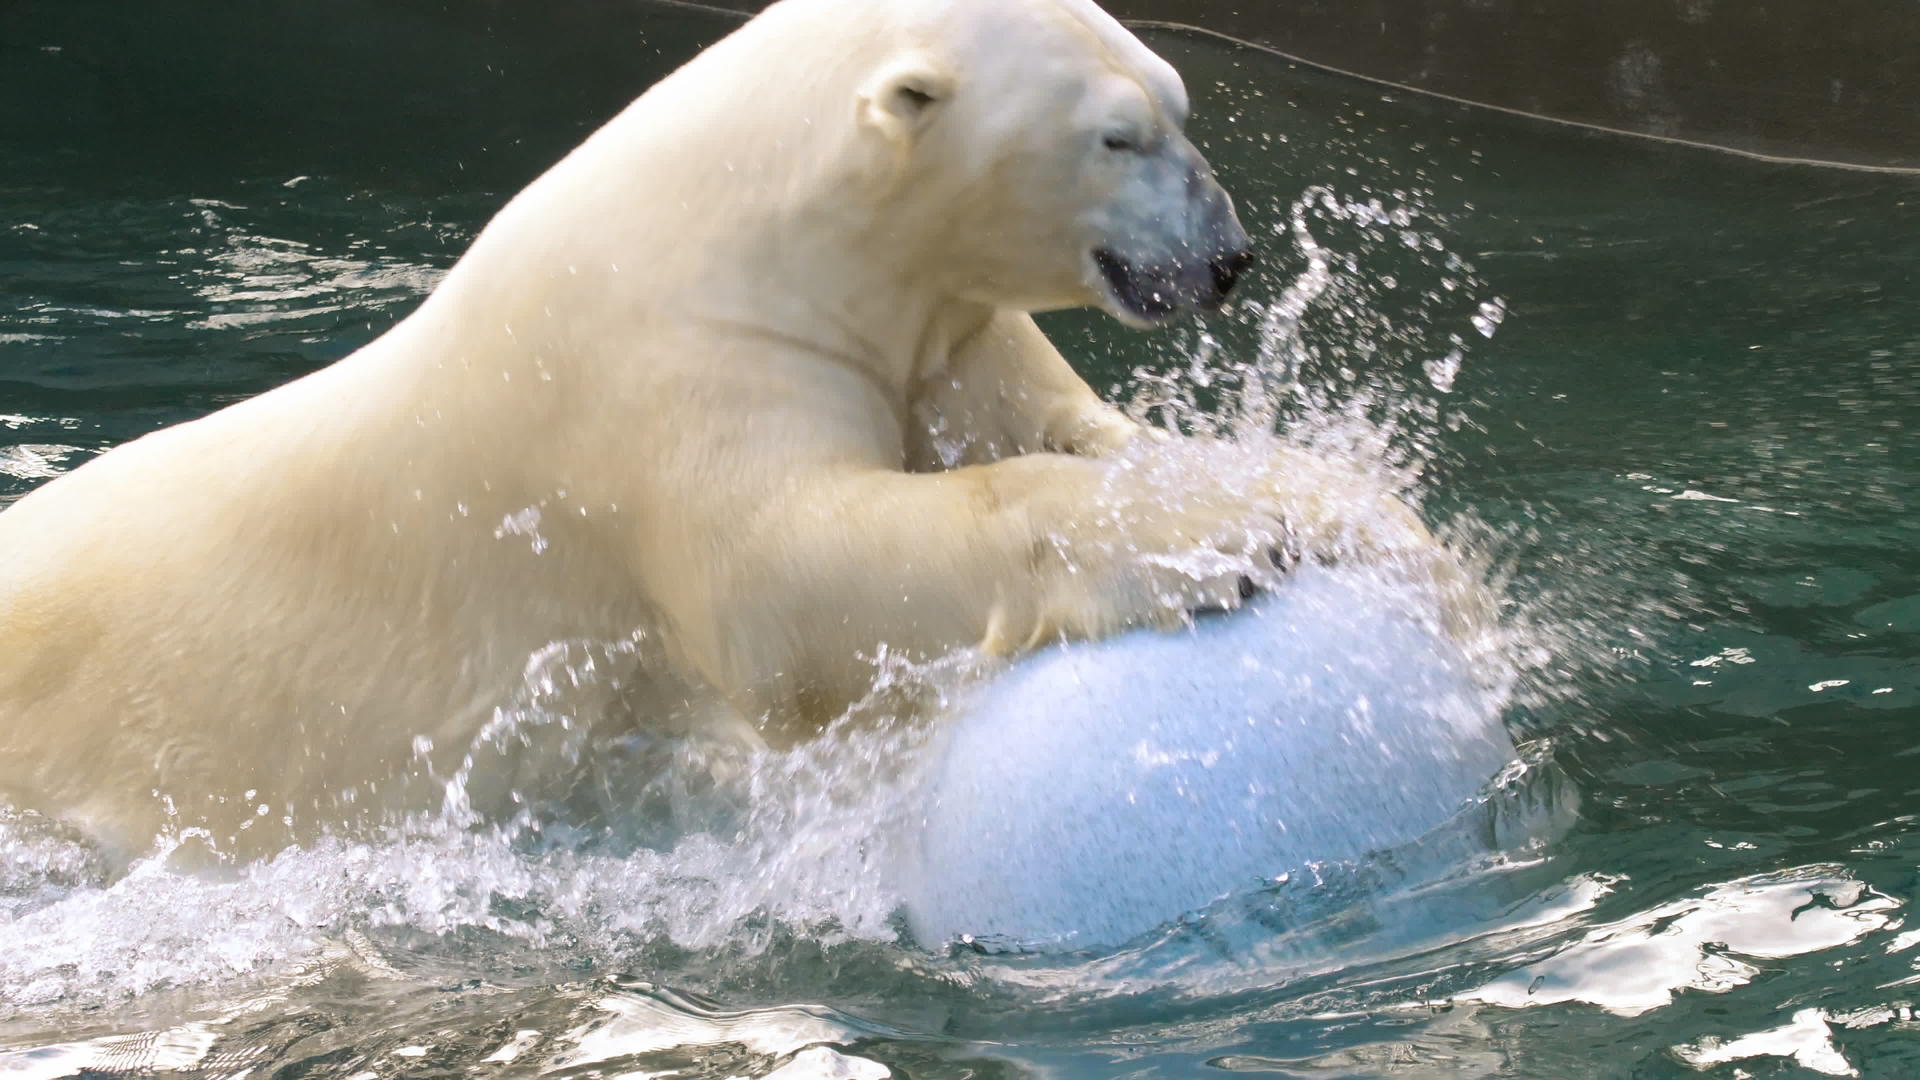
1042,145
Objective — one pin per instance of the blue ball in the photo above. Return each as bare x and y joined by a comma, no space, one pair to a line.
1098,790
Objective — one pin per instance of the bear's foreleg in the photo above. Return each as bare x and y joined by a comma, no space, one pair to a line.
1005,390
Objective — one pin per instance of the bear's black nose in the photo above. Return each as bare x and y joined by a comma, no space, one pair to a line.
1228,268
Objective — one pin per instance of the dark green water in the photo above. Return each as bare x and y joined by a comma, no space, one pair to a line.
1693,438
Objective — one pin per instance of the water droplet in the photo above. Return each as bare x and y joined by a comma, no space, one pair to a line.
1441,372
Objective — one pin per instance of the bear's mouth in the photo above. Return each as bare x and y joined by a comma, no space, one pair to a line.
1148,298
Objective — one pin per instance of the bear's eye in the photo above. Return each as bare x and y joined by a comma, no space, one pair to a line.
1119,143
914,98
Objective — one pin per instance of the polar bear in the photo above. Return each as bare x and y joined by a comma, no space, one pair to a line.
682,386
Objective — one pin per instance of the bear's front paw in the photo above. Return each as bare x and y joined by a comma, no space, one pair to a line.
1152,563
1092,601
1095,432
1334,513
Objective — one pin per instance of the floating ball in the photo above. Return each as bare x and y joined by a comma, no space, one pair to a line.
1097,790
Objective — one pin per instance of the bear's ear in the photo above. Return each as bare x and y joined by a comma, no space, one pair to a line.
901,97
